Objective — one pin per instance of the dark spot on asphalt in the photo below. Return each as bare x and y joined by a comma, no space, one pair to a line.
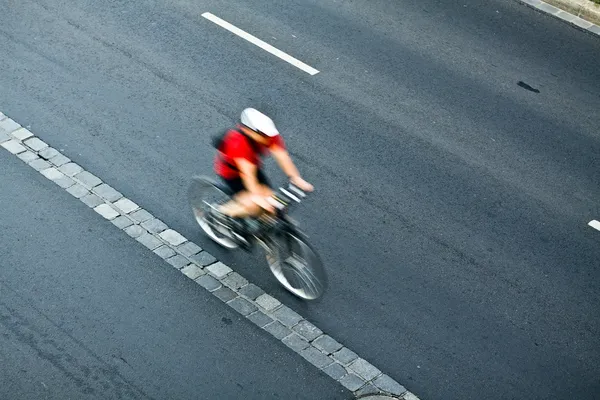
527,87
226,321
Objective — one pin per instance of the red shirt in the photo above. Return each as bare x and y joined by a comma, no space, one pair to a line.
236,145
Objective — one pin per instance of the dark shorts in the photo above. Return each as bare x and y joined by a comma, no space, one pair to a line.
236,185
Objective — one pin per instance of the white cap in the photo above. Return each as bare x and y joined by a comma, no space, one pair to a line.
259,122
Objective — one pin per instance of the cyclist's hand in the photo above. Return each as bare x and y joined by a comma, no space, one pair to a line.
263,202
302,184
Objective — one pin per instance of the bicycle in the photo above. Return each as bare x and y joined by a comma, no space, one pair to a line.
291,258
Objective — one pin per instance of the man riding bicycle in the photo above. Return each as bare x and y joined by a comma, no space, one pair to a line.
239,164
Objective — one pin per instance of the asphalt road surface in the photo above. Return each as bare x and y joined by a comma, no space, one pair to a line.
454,147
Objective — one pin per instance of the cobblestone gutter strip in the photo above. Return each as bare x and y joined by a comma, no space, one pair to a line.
321,350
564,15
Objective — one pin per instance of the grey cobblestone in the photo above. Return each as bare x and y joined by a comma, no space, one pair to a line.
88,180
251,291
28,156
134,230
260,319
189,249
13,146
242,306
566,16
48,153
8,125
345,356
208,282
582,23
267,302
150,241
287,316
77,191
389,385
106,211
154,225
295,342
65,182
368,389
315,357
178,261
52,173
326,344
164,251
122,222
39,165
548,8
107,192
225,294
352,382
218,270
125,205
204,258
22,134
70,169
595,29
141,216
59,160
307,330
4,137
173,237
234,281
276,329
35,144
91,200
2,116
364,369
192,271
335,370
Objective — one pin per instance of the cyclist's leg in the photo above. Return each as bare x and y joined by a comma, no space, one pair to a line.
242,205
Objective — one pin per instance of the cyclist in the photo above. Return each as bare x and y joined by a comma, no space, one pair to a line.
239,164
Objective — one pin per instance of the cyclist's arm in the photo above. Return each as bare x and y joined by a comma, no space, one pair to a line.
285,162
248,175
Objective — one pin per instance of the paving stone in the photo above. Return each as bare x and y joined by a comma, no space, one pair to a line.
13,146
52,173
532,2
149,241
164,251
335,370
234,281
64,182
59,160
178,261
582,23
48,153
276,329
208,282
8,125
267,302
35,144
122,222
218,270
91,200
106,211
172,237
566,16
409,396
192,272
225,294
295,342
369,389
141,216
153,225
134,230
389,385
4,137
364,369
2,116
242,306
315,357
307,330
548,8
595,29
287,316
107,192
251,291
326,344
345,356
351,382
259,318
77,191
39,165
22,134
70,169
126,206
28,156
189,249
88,180
203,259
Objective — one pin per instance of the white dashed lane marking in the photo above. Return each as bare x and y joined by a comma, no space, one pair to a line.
265,46
594,224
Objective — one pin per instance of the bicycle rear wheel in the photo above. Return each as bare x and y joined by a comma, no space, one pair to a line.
297,266
203,194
